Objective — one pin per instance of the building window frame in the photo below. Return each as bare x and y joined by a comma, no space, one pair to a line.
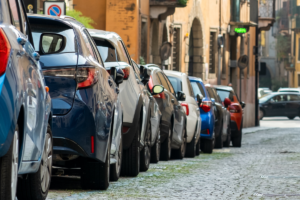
177,26
213,56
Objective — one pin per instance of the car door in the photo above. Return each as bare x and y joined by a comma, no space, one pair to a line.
278,105
34,88
293,105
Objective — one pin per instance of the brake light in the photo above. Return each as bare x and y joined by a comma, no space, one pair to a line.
126,71
86,77
186,108
150,84
234,109
206,106
92,144
4,52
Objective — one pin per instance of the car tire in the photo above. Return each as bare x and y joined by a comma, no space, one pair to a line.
115,169
95,175
219,139
237,141
207,146
145,154
191,148
180,153
291,117
226,143
9,164
155,150
37,185
165,151
198,148
131,156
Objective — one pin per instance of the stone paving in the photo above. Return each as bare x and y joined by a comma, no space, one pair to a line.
266,167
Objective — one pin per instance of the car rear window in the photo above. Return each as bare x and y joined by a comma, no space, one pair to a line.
197,89
176,83
225,94
39,26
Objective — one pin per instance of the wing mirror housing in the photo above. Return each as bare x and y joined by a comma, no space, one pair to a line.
145,74
243,104
199,99
157,89
227,102
181,96
51,43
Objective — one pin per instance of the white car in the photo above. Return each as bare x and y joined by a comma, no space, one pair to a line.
181,82
296,90
135,102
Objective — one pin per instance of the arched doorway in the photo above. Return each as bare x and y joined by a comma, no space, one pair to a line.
195,50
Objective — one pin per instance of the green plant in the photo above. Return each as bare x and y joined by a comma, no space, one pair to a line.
283,46
86,21
142,61
183,2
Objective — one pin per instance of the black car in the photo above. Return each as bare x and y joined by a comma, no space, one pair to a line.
280,104
173,121
220,117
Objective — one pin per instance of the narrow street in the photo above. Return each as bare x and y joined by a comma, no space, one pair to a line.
266,167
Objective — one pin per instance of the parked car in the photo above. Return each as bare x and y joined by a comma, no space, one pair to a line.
25,111
263,91
86,110
155,119
181,82
280,104
135,101
173,121
235,107
207,116
295,90
221,118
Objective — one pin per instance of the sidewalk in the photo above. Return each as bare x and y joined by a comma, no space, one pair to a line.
255,129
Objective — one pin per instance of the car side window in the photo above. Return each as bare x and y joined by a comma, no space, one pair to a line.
292,97
190,87
279,98
23,18
231,96
163,81
169,84
136,69
210,92
94,47
15,14
123,56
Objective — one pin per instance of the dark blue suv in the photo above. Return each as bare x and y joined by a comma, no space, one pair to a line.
84,97
25,111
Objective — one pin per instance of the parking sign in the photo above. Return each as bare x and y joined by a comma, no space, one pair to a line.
54,8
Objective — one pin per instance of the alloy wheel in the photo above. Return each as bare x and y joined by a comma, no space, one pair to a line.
46,164
14,166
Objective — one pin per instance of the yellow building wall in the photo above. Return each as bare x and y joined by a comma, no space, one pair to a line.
297,60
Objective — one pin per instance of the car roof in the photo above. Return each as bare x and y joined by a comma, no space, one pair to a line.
112,37
223,87
281,93
174,73
290,89
195,78
62,18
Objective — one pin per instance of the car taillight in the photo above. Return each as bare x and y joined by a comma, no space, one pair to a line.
206,106
4,52
186,108
150,84
234,109
126,71
92,144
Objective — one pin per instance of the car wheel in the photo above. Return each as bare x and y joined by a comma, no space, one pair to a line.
146,152
9,169
261,114
180,153
37,185
191,148
155,150
115,169
227,142
291,117
237,141
219,139
165,151
198,148
95,175
207,146
131,156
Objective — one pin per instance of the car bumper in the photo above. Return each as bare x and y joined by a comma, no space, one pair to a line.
207,125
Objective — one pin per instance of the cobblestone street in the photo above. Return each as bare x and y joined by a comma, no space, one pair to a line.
266,167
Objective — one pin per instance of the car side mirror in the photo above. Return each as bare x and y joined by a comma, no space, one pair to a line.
117,75
157,89
145,74
51,43
181,96
213,101
227,102
199,99
243,104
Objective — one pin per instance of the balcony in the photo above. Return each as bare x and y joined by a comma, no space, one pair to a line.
266,14
169,3
161,9
296,24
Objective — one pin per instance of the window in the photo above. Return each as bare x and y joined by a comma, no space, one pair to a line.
94,47
197,89
279,98
122,53
88,44
136,69
225,94
292,97
190,87
212,49
210,92
176,49
15,15
163,81
169,84
176,83
39,28
107,51
24,24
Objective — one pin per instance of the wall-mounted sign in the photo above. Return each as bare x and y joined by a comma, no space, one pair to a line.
54,8
240,30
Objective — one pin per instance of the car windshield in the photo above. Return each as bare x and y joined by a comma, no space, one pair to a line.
176,83
197,88
223,94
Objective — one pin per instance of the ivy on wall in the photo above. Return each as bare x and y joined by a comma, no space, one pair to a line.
183,2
